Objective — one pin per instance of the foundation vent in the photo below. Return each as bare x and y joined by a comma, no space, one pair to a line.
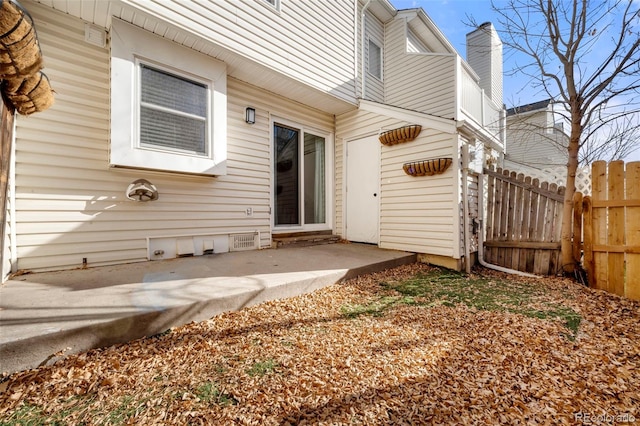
240,242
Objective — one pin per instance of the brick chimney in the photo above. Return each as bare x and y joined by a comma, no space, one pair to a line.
484,54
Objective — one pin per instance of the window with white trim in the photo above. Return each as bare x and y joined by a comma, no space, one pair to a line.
274,3
375,60
164,117
174,111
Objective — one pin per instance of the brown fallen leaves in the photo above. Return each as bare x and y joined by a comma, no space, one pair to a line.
301,361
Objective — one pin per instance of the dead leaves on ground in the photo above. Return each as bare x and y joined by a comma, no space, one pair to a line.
301,361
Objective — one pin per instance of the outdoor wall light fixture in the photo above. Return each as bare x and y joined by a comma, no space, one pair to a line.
250,115
142,190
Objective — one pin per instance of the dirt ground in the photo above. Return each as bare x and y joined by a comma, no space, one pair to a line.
363,353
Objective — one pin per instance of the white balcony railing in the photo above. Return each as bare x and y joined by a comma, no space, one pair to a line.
478,107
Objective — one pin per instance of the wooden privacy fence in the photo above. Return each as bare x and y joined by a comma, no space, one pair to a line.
523,223
610,221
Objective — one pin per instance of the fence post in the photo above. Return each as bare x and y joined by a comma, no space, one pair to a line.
588,241
615,227
599,218
633,232
577,227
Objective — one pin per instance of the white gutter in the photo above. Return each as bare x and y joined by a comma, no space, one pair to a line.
364,71
465,207
481,237
355,49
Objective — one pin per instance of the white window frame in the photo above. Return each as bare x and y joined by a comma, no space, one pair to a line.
138,105
274,4
370,41
132,46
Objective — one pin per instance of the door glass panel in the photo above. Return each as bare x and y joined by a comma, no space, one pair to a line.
287,205
314,179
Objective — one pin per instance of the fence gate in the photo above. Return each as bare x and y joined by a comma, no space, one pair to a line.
523,223
611,218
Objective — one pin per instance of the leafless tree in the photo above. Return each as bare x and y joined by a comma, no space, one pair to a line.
585,55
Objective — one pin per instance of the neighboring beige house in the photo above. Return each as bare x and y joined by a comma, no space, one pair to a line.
536,146
166,91
535,138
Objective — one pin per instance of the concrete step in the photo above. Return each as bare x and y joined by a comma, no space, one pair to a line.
305,240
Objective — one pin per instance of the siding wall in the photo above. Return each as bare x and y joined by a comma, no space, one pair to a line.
416,213
409,73
70,205
531,140
292,41
5,267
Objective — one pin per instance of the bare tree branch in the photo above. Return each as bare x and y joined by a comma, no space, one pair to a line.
594,79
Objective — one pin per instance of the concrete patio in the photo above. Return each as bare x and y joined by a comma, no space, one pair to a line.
47,315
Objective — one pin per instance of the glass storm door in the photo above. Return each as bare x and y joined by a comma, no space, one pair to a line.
300,177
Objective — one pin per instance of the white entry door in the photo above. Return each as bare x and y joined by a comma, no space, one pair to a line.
363,190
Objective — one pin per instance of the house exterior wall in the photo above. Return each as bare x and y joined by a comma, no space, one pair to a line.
406,73
292,41
5,267
70,205
417,214
532,140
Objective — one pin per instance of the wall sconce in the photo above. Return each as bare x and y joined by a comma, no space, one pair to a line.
142,190
250,115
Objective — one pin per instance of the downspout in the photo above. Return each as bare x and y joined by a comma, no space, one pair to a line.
481,237
465,206
355,49
362,21
12,200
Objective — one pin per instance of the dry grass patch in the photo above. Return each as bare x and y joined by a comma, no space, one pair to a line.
412,345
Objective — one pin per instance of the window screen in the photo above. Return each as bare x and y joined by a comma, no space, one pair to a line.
173,111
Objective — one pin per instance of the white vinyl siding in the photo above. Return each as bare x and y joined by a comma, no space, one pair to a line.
5,267
416,213
293,42
421,82
529,143
70,205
